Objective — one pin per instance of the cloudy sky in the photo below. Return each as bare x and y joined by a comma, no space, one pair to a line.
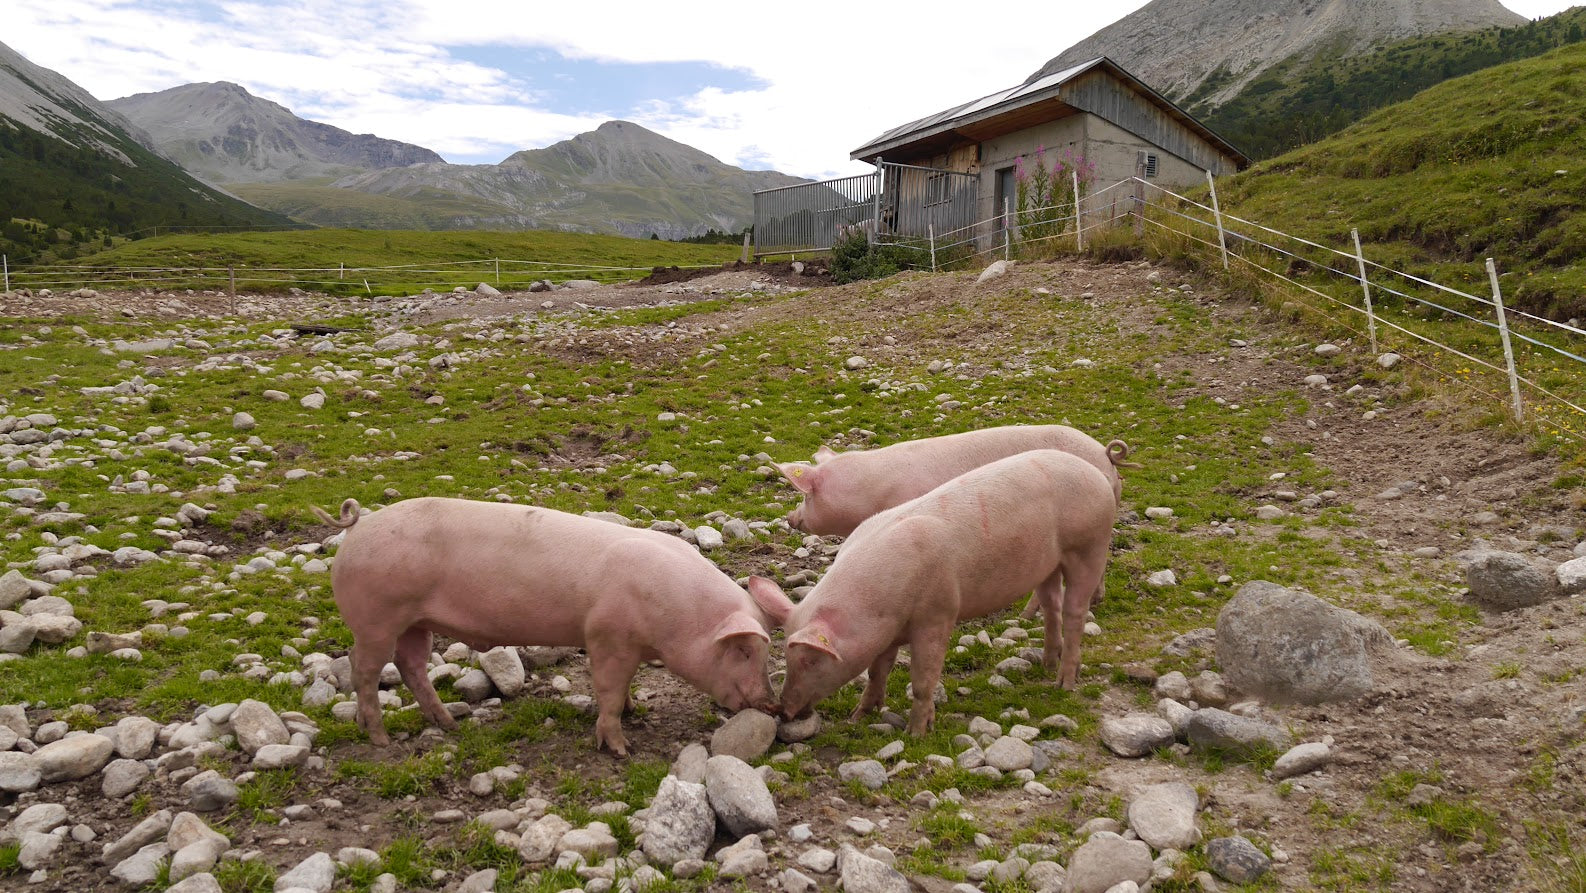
788,86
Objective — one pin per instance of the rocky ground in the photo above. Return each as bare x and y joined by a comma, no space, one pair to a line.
1483,741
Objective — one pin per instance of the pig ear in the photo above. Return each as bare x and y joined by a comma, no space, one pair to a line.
824,453
813,637
739,623
799,474
771,600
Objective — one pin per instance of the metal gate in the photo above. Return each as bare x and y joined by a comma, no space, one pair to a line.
897,202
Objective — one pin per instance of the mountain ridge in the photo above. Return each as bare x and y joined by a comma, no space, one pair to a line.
1178,46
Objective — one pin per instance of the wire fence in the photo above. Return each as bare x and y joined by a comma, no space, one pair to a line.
1532,366
341,278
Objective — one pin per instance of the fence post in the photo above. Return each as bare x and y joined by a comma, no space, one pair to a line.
875,212
344,269
231,279
1079,218
1222,236
743,257
930,233
1007,231
1139,197
1371,317
1503,331
6,262
498,271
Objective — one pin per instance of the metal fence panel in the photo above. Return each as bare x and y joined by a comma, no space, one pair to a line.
898,202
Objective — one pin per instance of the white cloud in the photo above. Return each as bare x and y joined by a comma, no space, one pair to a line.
833,74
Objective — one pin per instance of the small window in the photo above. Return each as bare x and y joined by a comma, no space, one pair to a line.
936,189
1150,166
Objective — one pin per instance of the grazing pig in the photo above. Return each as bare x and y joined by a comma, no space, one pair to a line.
488,574
843,489
1040,519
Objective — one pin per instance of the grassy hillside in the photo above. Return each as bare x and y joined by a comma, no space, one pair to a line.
1300,102
391,260
1488,165
316,201
58,200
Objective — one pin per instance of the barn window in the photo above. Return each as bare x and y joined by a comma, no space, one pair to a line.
936,189
1150,165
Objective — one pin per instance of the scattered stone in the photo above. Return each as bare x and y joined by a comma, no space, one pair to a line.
1163,815
739,796
870,773
317,873
862,874
1302,759
681,823
1135,735
1287,646
747,735
1212,727
1236,859
1504,581
1106,860
73,757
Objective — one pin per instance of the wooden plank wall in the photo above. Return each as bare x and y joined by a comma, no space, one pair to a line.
1104,96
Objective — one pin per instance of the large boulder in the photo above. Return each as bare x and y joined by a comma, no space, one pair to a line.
1287,646
1504,581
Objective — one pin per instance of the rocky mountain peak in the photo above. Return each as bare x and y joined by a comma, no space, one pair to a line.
1214,48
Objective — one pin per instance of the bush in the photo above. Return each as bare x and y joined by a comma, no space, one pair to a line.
854,258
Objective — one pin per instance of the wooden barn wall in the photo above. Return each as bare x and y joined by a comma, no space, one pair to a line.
1106,97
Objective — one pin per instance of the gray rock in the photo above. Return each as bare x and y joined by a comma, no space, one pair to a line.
203,882
1286,646
210,791
538,842
14,589
870,773
140,835
73,757
747,735
480,882
1212,727
256,724
739,796
1010,754
122,777
317,873
690,763
1172,685
19,772
40,818
473,686
743,859
1136,734
197,857
1190,642
794,730
1106,860
818,859
863,874
681,823
504,666
1236,859
1163,815
187,829
142,867
280,756
1504,581
593,841
135,737
38,850
1301,759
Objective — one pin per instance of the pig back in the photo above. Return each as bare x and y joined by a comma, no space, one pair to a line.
993,533
488,573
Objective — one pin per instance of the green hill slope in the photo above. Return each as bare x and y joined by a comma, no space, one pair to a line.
1298,102
1492,164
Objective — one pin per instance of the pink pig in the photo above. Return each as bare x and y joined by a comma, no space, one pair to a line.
489,574
1040,519
843,489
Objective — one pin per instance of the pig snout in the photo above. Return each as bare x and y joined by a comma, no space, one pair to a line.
795,519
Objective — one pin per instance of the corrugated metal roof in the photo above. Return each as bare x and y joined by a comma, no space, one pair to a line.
1024,94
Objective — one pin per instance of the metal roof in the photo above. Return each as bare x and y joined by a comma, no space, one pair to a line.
1012,99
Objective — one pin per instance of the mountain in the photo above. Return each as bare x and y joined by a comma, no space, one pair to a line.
73,170
1491,164
619,178
1215,48
225,134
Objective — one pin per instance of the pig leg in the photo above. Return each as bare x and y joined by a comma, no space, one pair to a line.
412,660
611,672
1031,606
368,659
927,653
1081,578
875,696
1049,596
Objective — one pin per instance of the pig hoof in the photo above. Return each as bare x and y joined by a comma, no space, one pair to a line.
380,738
617,745
861,712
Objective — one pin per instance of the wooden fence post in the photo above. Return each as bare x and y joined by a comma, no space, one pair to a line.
6,262
1503,332
743,257
1222,236
1007,231
1139,196
1365,286
930,233
1079,218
